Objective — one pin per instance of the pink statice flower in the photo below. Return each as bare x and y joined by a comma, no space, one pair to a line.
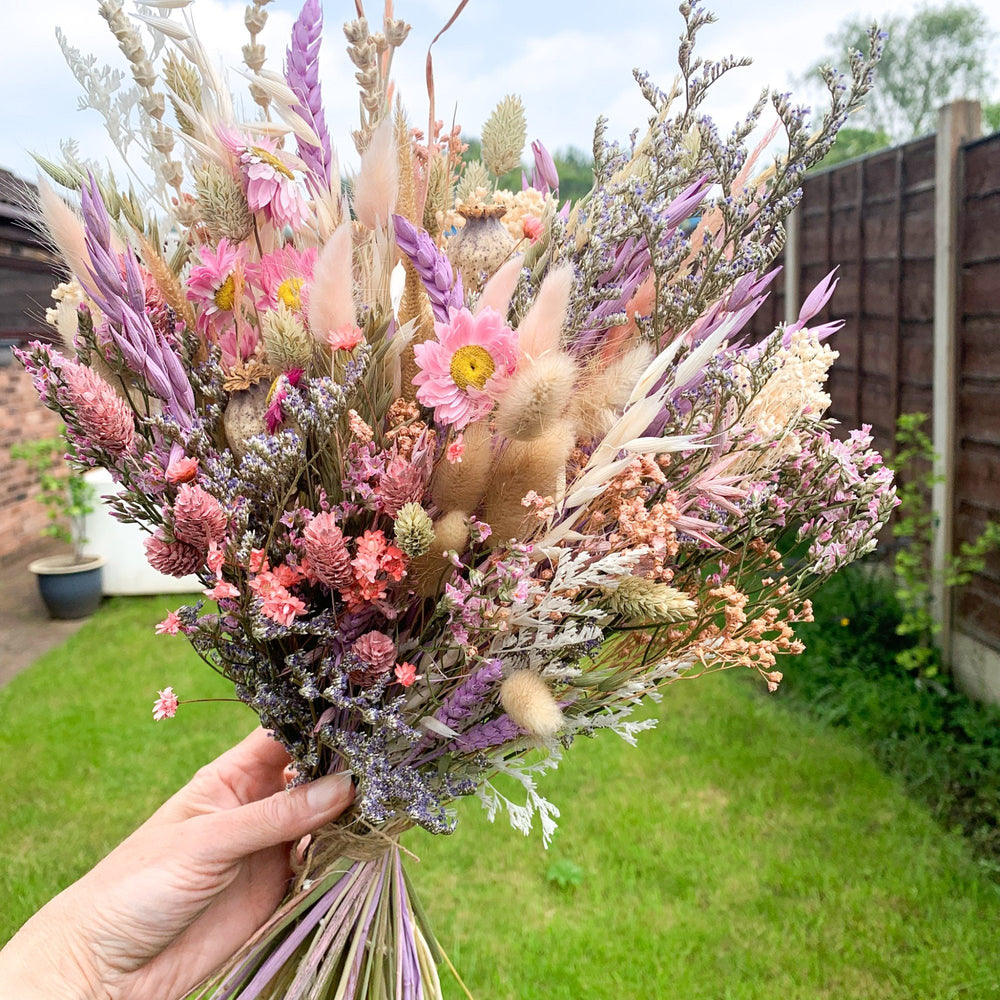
170,625
165,707
461,370
455,449
269,181
215,285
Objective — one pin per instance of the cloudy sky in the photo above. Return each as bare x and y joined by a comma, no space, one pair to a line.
570,60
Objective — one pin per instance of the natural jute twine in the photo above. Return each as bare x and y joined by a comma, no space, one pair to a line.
354,840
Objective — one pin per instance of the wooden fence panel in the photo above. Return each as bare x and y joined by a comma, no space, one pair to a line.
977,480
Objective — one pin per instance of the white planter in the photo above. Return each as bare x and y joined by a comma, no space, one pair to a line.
126,571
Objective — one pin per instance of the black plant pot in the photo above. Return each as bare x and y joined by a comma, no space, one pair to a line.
69,589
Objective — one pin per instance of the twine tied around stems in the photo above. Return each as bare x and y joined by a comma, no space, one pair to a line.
355,840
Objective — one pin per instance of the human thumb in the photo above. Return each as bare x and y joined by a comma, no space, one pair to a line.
280,818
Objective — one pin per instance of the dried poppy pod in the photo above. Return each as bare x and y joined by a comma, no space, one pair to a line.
481,246
244,416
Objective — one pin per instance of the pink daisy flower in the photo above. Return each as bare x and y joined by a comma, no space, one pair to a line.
461,369
222,591
165,707
182,470
269,181
214,285
170,625
282,276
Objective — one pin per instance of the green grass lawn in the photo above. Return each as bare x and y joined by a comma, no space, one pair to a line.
741,852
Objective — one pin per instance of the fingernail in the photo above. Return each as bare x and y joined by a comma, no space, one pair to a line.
326,792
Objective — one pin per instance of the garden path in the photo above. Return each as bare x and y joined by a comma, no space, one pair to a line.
26,631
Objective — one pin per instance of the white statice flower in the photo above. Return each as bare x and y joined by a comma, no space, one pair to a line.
62,317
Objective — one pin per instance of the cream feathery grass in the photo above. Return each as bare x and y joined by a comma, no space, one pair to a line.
536,396
286,341
65,229
640,600
438,198
474,177
461,485
541,327
500,287
529,702
182,80
223,203
524,466
376,187
414,305
604,390
331,292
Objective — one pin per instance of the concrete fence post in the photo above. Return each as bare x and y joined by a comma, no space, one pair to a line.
792,266
958,122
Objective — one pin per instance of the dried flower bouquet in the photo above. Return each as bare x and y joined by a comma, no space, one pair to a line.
467,473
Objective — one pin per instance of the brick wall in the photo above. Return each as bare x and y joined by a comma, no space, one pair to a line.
22,418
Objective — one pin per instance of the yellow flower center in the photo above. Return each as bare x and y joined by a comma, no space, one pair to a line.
471,365
272,161
225,294
288,292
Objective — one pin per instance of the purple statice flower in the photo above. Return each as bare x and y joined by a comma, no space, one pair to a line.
302,76
443,285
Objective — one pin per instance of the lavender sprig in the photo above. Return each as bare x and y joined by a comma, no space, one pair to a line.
444,287
470,694
302,76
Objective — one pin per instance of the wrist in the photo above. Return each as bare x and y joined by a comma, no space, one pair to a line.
43,960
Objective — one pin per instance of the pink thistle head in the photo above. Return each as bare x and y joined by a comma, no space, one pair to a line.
165,707
199,518
461,370
326,552
377,653
175,558
104,417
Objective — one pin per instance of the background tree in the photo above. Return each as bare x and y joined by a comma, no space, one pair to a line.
934,56
575,169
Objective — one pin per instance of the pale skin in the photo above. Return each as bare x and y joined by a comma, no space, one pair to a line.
181,894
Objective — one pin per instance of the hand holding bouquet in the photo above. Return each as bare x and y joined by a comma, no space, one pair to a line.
467,473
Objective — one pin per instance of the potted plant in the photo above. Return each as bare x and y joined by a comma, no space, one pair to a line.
70,584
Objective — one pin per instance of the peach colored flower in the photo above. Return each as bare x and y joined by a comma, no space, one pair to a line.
456,448
182,470
406,674
345,338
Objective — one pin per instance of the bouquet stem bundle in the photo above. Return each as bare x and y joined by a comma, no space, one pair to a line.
351,928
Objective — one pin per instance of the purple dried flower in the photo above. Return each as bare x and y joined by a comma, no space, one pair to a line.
443,286
302,75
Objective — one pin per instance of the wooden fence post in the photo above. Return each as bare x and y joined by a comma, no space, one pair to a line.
958,122
792,266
